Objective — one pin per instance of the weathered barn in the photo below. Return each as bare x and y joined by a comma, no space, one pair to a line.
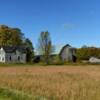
68,53
12,54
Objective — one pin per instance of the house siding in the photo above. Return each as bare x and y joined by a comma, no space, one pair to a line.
2,55
67,53
15,57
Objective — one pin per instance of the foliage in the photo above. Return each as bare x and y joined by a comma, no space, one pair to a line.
9,94
85,53
45,46
10,36
57,61
30,50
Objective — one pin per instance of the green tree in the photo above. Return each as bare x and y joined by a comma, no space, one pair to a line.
10,36
87,52
30,50
17,36
45,46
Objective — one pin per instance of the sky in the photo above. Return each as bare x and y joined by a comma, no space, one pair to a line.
74,22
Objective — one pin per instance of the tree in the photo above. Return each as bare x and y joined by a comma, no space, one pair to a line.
10,36
17,36
30,50
45,46
87,52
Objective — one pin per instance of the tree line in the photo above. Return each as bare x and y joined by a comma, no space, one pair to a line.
86,52
15,37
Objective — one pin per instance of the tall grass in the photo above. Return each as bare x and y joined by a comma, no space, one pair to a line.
51,83
9,94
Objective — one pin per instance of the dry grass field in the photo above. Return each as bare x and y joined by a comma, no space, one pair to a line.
50,83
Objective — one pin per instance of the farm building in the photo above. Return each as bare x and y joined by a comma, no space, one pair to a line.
12,54
68,53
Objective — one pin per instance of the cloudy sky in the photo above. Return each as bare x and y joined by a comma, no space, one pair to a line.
76,22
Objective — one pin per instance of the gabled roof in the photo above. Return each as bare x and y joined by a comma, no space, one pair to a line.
66,46
11,49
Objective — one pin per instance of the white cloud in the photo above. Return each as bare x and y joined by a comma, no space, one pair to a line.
68,26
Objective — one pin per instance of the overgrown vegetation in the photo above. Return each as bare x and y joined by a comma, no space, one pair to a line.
51,83
86,52
8,94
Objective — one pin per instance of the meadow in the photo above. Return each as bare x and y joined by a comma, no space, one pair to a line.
67,82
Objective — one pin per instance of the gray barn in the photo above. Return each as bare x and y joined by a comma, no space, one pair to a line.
11,54
68,53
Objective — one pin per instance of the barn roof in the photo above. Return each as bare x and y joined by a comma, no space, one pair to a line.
66,46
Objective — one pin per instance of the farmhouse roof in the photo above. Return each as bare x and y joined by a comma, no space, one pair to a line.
11,49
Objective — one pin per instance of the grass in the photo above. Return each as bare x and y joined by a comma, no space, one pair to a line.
9,94
43,64
50,83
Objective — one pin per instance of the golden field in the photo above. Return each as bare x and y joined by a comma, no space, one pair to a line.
53,82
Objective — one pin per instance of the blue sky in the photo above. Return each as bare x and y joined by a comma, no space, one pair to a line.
76,22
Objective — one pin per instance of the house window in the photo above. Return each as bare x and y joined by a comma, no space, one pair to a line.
10,58
2,58
18,58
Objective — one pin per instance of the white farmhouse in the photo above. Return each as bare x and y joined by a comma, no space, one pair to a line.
13,54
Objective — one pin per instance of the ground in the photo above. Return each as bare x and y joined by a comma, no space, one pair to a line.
50,82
